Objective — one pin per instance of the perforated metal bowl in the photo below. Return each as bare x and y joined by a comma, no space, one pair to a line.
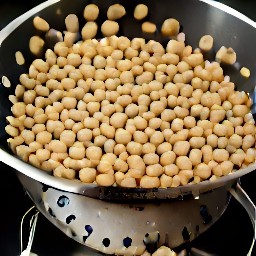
123,221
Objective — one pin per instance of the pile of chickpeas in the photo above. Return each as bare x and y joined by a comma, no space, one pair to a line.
130,113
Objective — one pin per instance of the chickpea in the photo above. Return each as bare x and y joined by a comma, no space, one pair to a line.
105,180
157,138
132,110
177,124
220,155
195,156
206,43
167,158
148,27
91,12
109,28
197,142
87,175
248,142
115,12
149,182
238,157
181,148
183,163
122,136
140,11
226,167
170,27
154,170
166,181
203,171
207,154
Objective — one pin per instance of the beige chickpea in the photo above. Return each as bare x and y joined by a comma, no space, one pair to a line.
206,43
183,163
171,170
250,155
196,110
195,156
68,137
220,130
203,171
238,157
166,181
109,28
170,27
167,158
164,147
175,47
91,123
240,110
115,12
149,182
196,131
132,110
226,167
235,141
118,120
177,124
87,175
140,123
43,137
91,12
155,123
157,138
89,30
151,158
189,122
248,142
148,148
122,136
154,170
57,146
140,137
148,27
207,152
34,146
119,149
181,148
220,155
197,142
140,11
248,128
105,180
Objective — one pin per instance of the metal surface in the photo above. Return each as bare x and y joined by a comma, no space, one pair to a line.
206,18
91,221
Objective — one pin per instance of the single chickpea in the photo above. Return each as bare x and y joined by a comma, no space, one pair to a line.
171,170
148,27
170,27
206,43
149,182
154,170
195,156
157,138
166,181
105,180
207,152
115,12
181,148
89,30
87,175
167,158
140,11
109,28
197,142
220,155
248,142
183,163
203,171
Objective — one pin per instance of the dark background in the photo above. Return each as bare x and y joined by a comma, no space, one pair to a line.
230,236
